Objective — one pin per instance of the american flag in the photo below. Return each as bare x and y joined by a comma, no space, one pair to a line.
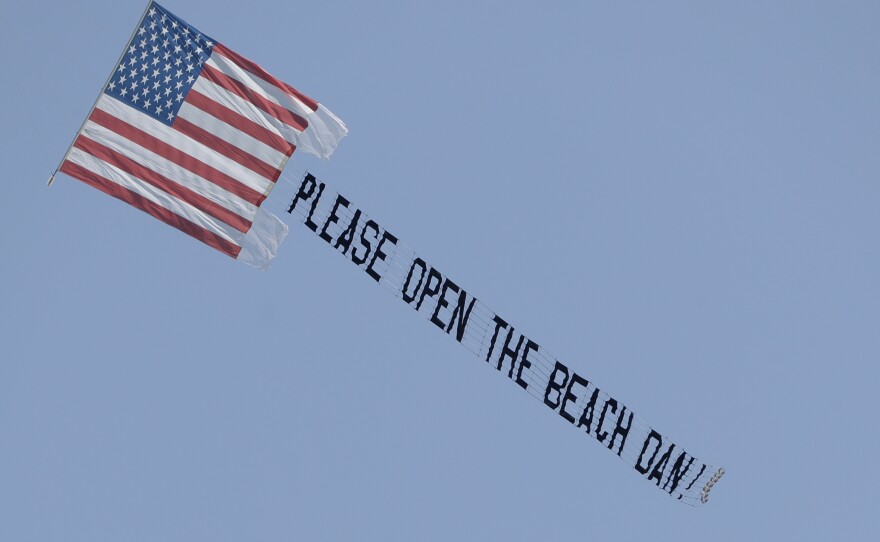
196,135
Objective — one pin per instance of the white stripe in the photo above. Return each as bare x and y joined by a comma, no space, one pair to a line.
153,194
172,171
324,130
258,84
165,133
233,136
247,109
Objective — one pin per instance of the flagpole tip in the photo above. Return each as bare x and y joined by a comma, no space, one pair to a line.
51,180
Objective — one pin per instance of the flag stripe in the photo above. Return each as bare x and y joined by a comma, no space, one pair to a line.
237,87
242,106
151,208
177,156
261,87
166,168
159,197
187,146
263,74
233,135
172,188
239,122
225,148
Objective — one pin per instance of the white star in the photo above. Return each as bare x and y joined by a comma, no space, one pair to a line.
122,79
158,108
152,25
156,85
209,44
144,55
134,85
145,93
177,49
166,56
146,104
178,85
164,31
190,79
154,50
142,31
155,73
144,79
177,61
123,92
154,36
167,67
180,97
170,116
132,49
199,51
112,85
132,62
152,11
167,79
121,67
179,74
143,43
174,24
133,73
189,68
168,103
135,98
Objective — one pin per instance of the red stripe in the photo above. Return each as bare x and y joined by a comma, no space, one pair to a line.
237,87
157,211
247,65
239,122
236,154
163,183
173,154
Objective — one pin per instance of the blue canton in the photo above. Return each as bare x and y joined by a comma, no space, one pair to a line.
161,64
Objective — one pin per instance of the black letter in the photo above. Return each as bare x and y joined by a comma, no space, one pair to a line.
525,363
462,315
620,430
677,474
405,296
348,235
587,419
552,385
604,434
365,243
309,224
379,255
499,323
661,465
430,291
442,303
303,192
655,436
333,218
507,352
575,379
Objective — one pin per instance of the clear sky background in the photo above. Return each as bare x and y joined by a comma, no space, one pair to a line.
678,199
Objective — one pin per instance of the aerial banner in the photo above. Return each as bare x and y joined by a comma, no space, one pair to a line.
495,341
196,135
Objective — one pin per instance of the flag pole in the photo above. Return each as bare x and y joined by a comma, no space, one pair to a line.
107,82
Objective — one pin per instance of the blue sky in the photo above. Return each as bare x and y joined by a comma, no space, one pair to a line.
679,200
